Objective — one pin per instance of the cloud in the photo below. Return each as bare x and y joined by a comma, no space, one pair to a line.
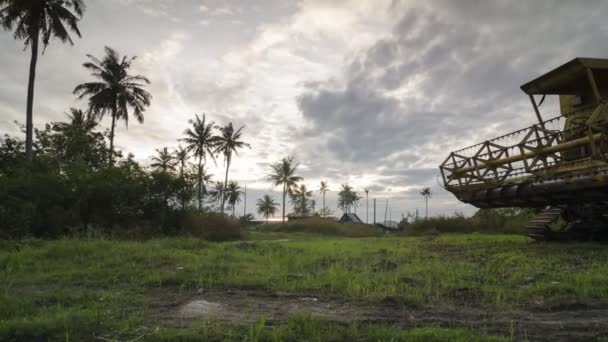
440,80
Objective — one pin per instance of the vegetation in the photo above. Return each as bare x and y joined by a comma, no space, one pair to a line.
325,226
283,173
301,200
267,207
33,20
426,193
323,189
115,92
228,143
201,140
505,220
77,288
348,199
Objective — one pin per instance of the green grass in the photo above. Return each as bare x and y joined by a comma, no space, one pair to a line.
66,289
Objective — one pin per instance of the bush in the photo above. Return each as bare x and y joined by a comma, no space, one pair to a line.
324,226
504,220
212,226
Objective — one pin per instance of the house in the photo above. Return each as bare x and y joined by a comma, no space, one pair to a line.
388,225
350,218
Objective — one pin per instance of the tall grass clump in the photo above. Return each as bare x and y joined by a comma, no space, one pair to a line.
324,226
212,226
503,220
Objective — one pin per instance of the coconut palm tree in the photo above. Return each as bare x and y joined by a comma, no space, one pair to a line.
300,199
323,189
115,91
267,207
181,157
366,205
426,193
163,161
233,195
283,173
34,20
201,140
228,142
217,191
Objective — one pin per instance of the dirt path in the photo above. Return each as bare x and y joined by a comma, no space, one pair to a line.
566,323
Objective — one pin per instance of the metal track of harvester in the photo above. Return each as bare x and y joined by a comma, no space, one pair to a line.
538,228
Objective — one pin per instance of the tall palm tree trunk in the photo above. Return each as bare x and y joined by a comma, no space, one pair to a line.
323,211
200,183
284,193
225,182
426,199
111,157
29,118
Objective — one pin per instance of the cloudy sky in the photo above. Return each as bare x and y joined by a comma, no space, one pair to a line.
370,93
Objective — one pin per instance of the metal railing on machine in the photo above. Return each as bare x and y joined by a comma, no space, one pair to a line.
524,152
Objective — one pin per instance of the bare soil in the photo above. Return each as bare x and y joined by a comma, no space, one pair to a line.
568,322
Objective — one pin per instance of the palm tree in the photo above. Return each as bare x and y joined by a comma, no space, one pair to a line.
164,161
300,199
32,20
80,138
201,140
283,173
366,205
323,189
181,157
267,207
233,193
228,143
426,193
115,91
218,190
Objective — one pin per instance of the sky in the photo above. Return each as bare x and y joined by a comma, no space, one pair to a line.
370,93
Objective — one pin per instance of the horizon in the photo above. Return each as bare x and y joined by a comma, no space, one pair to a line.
371,95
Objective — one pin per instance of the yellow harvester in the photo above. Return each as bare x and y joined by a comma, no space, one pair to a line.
559,164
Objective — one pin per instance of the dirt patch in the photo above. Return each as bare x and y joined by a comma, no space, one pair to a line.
557,323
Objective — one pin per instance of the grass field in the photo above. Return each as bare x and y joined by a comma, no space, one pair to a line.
123,290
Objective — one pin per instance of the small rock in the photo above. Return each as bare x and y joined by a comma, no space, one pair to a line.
310,299
199,309
179,268
555,283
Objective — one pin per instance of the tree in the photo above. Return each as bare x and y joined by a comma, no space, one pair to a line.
426,193
347,198
181,157
217,192
267,207
233,194
201,140
164,161
283,173
323,189
32,20
115,92
228,143
300,199
366,205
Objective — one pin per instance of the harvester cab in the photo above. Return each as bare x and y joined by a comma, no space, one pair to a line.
558,165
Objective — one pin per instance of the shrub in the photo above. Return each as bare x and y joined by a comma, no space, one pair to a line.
504,220
324,226
212,226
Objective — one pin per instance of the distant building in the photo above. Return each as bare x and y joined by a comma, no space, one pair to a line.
350,218
388,225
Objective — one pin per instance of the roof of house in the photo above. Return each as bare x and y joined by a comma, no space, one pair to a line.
350,217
